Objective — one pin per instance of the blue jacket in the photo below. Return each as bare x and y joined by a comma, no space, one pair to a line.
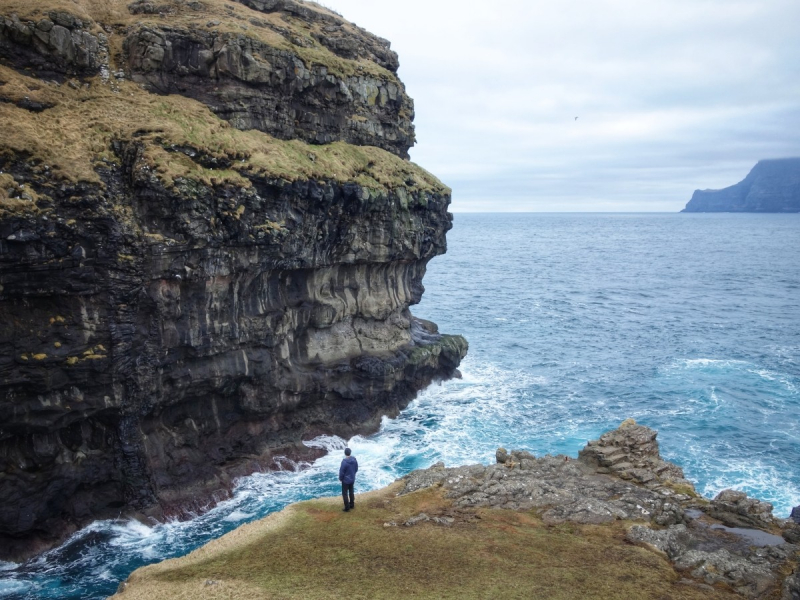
348,470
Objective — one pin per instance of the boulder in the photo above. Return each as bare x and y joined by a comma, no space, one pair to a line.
631,452
736,509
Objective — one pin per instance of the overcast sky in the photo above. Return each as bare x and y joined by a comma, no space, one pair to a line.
671,96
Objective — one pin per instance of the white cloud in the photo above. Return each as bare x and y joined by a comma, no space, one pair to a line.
671,96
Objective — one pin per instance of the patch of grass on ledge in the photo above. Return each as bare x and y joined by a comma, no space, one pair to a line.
315,551
74,137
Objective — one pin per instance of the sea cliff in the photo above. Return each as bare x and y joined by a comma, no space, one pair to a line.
772,186
617,522
210,238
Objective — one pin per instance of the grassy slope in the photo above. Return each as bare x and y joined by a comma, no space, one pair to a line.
77,132
313,550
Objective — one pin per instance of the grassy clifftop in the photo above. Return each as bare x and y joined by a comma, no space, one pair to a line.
292,32
73,136
312,550
244,86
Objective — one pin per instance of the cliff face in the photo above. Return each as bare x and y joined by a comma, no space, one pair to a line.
771,186
181,300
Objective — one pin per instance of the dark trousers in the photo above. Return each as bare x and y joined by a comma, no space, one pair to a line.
347,488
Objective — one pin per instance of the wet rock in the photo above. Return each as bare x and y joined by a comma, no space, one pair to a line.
501,455
791,532
795,516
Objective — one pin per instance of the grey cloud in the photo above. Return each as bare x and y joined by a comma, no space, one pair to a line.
671,96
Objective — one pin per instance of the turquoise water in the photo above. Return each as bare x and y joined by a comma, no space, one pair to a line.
689,323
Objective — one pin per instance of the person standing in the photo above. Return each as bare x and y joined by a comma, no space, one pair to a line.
347,475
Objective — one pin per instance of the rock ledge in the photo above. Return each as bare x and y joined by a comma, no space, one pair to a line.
732,540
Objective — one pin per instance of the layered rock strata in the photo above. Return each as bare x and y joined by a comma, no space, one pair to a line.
771,186
181,301
731,541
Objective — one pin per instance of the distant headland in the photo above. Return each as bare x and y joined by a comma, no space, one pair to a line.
772,186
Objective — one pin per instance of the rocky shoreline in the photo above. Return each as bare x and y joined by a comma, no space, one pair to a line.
730,546
732,541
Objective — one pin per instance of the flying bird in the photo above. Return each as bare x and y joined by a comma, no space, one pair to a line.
576,118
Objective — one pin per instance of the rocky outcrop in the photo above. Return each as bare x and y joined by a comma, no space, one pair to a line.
750,557
736,509
181,301
55,45
716,557
631,452
255,85
771,186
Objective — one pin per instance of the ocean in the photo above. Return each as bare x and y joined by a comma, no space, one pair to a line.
688,323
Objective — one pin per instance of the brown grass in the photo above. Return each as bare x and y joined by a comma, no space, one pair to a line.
314,551
74,137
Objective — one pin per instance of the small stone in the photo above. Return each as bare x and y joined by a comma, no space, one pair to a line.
213,23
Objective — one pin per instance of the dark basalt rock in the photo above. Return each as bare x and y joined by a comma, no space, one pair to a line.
257,86
157,341
148,357
771,186
54,46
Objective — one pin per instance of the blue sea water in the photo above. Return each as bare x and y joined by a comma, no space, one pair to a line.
689,323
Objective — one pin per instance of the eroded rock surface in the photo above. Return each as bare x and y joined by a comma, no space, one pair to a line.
54,45
622,476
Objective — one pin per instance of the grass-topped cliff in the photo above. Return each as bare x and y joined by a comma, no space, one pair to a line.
73,137
551,527
210,238
65,98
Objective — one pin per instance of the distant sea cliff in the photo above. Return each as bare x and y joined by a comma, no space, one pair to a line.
771,186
